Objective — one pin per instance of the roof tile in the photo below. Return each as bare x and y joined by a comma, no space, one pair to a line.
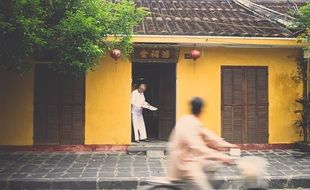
208,17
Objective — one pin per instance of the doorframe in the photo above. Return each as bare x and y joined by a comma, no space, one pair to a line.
59,104
245,97
132,81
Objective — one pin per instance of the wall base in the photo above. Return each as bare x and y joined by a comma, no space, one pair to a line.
65,148
89,148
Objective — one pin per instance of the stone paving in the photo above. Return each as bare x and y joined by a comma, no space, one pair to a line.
99,170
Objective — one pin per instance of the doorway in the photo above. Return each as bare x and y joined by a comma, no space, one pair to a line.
245,104
161,93
59,107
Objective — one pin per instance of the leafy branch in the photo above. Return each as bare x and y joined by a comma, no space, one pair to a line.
73,32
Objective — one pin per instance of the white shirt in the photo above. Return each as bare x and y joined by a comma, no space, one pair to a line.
138,99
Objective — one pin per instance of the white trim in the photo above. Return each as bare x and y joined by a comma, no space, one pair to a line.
215,37
239,45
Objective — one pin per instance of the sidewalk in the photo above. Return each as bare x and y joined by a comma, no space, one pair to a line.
98,170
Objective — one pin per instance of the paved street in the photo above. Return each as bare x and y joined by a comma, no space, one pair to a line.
98,170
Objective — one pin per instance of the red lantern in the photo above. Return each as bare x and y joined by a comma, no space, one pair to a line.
195,54
115,54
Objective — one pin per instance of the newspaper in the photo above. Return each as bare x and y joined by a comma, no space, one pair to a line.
148,106
152,108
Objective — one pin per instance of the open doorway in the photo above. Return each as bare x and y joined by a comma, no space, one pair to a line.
161,92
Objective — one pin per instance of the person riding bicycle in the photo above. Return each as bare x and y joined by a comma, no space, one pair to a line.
193,149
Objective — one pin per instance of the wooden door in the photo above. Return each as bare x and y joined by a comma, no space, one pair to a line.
245,104
59,107
167,100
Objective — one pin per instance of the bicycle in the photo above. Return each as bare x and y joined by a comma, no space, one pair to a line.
258,169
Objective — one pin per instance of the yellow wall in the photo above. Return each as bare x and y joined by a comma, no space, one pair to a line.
205,80
107,115
108,95
16,109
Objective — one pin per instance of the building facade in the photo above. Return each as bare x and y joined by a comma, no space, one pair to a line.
244,74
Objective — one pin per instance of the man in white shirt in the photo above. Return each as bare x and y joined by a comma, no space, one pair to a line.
137,104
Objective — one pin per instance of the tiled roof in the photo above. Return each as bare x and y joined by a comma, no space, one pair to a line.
206,18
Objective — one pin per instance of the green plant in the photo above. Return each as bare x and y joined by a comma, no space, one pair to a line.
303,122
73,32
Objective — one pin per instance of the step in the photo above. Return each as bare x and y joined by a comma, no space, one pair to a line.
151,148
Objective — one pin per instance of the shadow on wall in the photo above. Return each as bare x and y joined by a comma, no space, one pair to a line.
288,91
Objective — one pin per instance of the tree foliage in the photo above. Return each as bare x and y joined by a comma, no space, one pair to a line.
304,22
74,32
22,31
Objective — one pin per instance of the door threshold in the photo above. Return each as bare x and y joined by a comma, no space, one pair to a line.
144,147
150,142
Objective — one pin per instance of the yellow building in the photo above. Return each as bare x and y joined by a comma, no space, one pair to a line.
244,73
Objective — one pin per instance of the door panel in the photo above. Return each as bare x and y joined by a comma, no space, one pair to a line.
52,125
233,118
227,83
238,87
251,108
78,124
167,98
40,105
238,119
66,128
245,104
166,123
227,130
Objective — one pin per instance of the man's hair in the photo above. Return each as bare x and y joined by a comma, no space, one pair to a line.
196,105
141,85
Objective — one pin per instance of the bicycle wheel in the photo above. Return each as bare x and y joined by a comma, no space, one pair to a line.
164,187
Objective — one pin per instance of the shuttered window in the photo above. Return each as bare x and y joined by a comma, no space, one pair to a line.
245,104
59,107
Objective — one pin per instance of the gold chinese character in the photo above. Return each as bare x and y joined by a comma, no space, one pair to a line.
143,54
155,54
165,54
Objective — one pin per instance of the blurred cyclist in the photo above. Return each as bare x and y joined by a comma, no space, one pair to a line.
194,149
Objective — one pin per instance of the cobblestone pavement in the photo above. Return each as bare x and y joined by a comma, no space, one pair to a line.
98,170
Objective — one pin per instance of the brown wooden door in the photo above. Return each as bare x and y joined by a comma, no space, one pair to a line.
245,104
167,98
59,107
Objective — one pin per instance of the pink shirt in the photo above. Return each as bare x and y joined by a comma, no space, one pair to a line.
187,145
